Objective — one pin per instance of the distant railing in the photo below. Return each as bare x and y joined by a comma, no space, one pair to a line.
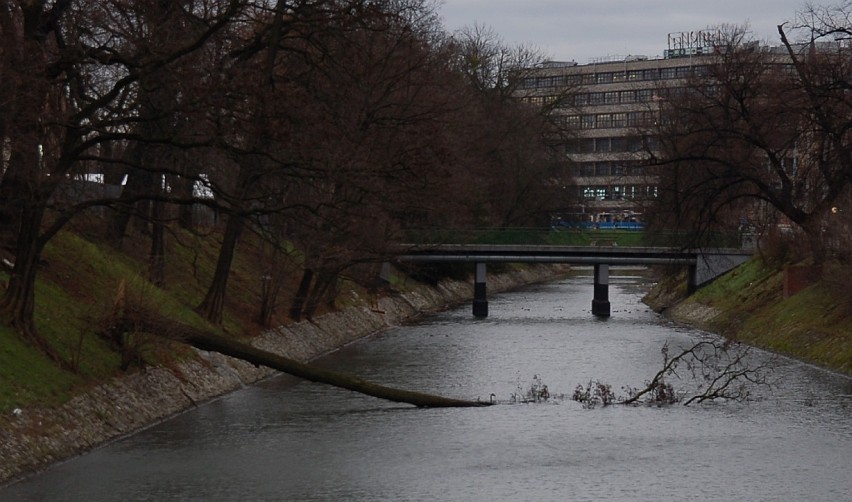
572,237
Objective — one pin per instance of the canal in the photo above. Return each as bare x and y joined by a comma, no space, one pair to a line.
291,440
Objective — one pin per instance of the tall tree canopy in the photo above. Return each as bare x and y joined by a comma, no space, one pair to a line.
759,134
327,127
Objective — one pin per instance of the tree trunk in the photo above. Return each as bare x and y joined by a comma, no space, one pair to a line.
816,237
157,257
311,373
183,189
301,295
16,187
325,282
143,321
269,288
138,183
17,305
214,300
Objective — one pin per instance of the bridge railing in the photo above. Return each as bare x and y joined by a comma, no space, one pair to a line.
570,237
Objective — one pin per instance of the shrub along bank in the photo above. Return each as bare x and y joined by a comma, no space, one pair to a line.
749,305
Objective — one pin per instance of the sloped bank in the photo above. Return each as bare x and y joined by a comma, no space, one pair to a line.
34,438
749,305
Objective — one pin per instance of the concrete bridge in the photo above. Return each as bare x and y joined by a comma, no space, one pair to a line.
704,264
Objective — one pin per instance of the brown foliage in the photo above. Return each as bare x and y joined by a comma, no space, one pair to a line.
329,128
756,134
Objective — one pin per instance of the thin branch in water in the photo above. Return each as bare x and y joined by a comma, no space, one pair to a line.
724,369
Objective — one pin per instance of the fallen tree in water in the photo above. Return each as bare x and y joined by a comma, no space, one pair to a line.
132,321
720,367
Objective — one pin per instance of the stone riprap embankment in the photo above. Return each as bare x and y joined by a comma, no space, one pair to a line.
693,314
32,438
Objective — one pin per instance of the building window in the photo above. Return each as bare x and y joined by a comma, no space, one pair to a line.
619,120
603,78
683,71
651,143
572,121
573,79
637,119
668,73
536,100
700,71
587,122
644,95
619,144
595,193
635,169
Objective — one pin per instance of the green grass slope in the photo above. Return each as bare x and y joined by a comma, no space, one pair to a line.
78,283
813,325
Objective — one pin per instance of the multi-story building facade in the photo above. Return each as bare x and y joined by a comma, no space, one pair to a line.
609,106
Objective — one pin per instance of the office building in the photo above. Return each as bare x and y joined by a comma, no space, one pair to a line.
608,107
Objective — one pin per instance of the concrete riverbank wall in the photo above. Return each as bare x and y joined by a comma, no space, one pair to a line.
34,438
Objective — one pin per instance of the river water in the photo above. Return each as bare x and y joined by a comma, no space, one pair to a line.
291,440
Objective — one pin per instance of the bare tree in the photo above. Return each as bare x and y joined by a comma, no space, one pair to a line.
758,131
344,122
705,371
338,125
375,105
70,72
516,173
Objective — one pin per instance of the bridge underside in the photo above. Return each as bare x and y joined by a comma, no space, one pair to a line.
704,266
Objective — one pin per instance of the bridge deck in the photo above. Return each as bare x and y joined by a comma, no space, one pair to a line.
612,255
703,264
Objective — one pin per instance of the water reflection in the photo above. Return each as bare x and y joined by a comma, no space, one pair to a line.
291,440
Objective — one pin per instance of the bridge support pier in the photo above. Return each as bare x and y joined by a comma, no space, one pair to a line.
692,279
480,295
385,272
600,301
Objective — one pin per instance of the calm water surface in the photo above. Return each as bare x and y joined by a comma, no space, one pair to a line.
292,440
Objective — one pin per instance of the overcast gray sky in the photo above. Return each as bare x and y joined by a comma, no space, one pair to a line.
579,30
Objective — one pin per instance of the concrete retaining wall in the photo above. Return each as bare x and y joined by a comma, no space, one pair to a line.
38,437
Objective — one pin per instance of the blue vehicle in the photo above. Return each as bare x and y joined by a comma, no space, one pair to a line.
601,221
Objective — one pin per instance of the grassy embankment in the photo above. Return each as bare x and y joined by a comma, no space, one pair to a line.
748,304
79,281
77,287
